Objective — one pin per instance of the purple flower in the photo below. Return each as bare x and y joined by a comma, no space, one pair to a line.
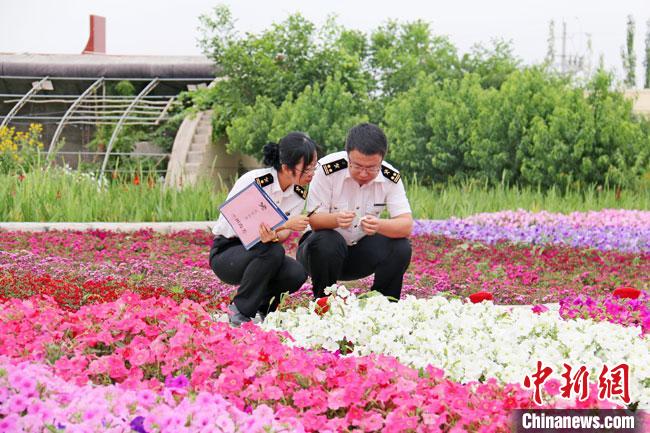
137,424
176,382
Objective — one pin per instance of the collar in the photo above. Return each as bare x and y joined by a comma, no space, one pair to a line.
275,186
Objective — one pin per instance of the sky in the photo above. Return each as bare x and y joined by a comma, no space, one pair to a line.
170,27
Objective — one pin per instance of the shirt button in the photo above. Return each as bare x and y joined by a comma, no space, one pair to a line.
355,226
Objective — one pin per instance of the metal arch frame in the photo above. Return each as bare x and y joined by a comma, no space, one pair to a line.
120,122
22,102
68,113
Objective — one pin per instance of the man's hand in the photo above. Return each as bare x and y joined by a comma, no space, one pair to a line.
267,235
370,224
297,223
344,219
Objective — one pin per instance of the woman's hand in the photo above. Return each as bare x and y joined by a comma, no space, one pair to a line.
267,235
297,223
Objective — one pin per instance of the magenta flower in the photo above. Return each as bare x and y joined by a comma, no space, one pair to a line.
539,308
179,381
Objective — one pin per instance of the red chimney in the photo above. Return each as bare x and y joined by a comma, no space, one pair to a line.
97,40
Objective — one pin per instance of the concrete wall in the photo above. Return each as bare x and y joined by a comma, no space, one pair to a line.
225,166
641,100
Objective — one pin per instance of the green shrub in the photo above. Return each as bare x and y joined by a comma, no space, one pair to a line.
325,114
280,61
480,117
536,130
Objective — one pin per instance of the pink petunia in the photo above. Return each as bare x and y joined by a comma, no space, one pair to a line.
539,308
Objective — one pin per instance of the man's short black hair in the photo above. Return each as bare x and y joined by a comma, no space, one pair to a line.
368,139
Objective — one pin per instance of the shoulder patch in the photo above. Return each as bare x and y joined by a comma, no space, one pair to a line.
300,191
334,166
390,174
267,179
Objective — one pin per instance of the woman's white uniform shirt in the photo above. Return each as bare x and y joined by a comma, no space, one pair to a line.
291,201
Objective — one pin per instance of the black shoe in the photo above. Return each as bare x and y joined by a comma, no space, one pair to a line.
236,317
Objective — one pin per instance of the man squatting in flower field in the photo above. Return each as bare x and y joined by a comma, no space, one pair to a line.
349,239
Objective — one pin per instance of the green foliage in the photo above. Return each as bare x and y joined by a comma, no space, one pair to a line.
124,142
481,116
429,127
628,55
400,52
163,136
54,195
280,61
250,131
21,151
493,64
536,130
325,114
550,44
125,88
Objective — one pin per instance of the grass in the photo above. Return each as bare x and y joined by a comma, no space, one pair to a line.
470,198
54,195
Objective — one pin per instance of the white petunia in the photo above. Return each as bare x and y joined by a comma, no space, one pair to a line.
470,340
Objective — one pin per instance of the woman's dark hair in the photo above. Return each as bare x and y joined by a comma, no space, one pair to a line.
292,148
368,139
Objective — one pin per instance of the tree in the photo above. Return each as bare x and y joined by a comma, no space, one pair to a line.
646,62
628,56
550,50
492,64
401,51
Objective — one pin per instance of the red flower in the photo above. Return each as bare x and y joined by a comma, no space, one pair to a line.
322,305
136,180
627,292
480,297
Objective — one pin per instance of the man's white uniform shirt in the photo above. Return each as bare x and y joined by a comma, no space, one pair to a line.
334,190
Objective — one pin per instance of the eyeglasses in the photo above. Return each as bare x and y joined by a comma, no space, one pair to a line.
361,168
309,170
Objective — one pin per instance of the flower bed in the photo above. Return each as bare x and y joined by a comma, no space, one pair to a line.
155,344
469,341
34,399
610,229
515,273
629,312
91,314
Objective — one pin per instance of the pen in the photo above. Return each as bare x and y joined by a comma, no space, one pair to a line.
313,211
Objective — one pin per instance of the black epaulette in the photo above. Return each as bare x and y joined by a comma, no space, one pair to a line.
300,191
390,174
334,166
267,179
